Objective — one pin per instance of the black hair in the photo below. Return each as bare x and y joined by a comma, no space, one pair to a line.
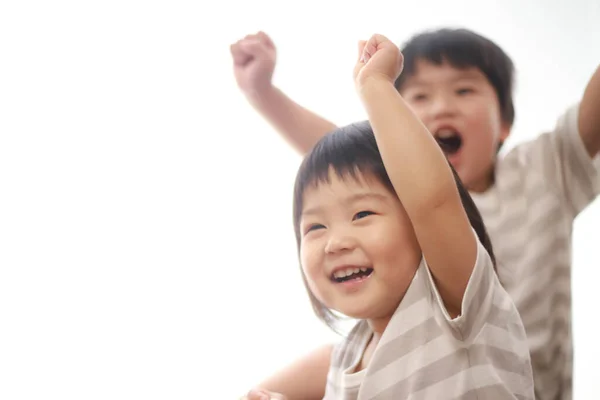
349,151
463,48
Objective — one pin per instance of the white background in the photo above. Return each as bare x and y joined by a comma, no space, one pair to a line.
146,242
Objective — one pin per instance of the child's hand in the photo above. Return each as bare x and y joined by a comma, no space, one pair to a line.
253,63
378,58
259,394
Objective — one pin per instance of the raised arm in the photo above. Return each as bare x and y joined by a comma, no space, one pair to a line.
254,62
589,115
567,155
418,171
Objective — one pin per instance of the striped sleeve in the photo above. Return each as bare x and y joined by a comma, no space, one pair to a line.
561,157
478,300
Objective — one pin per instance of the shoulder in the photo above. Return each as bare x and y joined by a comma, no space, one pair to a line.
482,293
548,146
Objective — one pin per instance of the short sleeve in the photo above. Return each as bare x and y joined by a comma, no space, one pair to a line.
477,301
561,157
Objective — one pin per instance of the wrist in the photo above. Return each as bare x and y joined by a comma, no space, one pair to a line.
371,83
262,95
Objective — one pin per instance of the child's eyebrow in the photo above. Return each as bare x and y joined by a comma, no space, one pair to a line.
349,201
467,75
414,83
365,196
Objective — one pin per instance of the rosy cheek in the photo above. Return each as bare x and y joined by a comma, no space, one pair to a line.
306,264
310,261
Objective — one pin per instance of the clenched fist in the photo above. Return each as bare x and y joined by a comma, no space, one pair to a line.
378,58
254,62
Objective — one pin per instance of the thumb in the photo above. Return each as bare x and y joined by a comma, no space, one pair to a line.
240,57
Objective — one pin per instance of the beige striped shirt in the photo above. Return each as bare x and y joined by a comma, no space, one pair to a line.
541,186
425,354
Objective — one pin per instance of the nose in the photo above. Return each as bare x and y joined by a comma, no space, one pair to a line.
339,242
442,106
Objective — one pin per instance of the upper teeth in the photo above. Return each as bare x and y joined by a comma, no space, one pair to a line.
341,273
445,133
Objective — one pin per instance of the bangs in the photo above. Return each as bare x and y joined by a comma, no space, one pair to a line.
459,50
348,152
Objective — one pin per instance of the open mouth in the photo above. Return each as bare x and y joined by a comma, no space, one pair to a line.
449,140
349,274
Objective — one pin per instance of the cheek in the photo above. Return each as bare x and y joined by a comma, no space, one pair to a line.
395,243
486,114
311,269
309,260
483,128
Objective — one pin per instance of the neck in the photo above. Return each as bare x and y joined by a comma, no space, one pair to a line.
378,325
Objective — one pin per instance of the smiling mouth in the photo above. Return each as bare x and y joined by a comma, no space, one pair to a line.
351,274
449,140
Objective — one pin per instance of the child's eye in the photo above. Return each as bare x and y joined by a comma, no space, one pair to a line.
363,214
463,91
313,227
419,97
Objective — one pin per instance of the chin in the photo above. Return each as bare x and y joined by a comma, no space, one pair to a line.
363,312
366,311
465,176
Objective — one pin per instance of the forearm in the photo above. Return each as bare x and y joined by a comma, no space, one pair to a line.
589,115
299,126
411,156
